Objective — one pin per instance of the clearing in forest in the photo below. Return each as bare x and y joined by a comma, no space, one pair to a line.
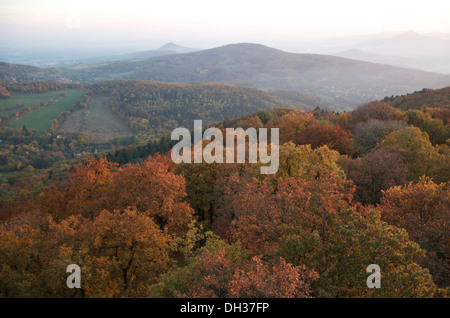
97,121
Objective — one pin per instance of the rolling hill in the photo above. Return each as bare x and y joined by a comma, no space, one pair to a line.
408,44
341,81
153,108
432,98
167,49
10,72
360,55
18,72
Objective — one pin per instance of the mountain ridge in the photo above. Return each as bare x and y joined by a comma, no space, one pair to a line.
342,81
419,51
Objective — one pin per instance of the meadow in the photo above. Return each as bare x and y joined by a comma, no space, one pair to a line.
41,118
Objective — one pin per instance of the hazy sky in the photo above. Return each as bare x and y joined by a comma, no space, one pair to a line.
193,22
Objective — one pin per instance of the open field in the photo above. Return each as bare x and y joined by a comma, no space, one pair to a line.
97,121
19,101
41,118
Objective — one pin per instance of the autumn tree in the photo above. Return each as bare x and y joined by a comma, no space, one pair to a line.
345,121
307,163
420,156
21,254
222,275
441,113
375,171
295,161
265,116
225,189
275,279
377,110
252,122
314,223
441,171
423,209
153,188
354,240
276,209
80,194
366,135
318,135
120,253
435,128
292,124
200,179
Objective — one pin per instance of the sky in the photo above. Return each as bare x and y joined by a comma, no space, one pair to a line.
208,23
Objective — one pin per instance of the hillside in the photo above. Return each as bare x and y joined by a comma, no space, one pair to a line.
19,73
434,98
342,81
302,100
10,71
153,108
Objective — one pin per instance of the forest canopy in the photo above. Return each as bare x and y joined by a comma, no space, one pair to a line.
353,189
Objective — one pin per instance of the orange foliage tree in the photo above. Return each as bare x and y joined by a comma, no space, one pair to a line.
80,194
153,188
320,135
221,276
423,209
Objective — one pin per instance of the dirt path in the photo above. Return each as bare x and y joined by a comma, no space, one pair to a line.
97,121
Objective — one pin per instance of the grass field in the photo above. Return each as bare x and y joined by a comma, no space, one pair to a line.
40,119
9,106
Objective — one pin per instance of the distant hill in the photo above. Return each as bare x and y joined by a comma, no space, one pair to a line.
167,49
341,81
360,55
11,73
439,35
408,44
176,48
410,49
